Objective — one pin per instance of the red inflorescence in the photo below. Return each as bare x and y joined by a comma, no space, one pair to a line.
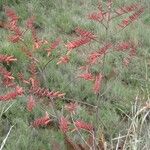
131,18
64,124
127,9
85,33
41,92
87,76
31,103
94,56
12,25
77,43
41,121
97,83
53,46
7,58
96,16
127,45
71,107
12,95
83,125
7,76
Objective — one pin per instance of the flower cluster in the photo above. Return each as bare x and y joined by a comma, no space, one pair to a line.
97,83
41,121
94,56
86,76
12,95
77,43
7,77
85,33
127,9
71,107
41,92
64,124
31,104
53,46
12,25
83,125
7,58
131,18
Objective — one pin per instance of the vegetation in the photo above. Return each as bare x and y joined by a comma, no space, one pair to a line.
74,74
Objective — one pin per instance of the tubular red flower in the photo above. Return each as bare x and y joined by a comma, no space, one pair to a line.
41,121
64,124
97,83
83,125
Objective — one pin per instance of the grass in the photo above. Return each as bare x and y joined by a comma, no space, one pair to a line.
125,96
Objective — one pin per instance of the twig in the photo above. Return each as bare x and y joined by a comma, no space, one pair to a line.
4,141
80,133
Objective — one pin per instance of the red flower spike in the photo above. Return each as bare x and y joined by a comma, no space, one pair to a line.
123,46
86,76
97,84
92,59
30,104
96,55
71,107
12,95
21,78
54,45
7,59
12,25
11,14
131,18
83,125
7,77
63,60
41,121
41,92
85,33
77,43
96,16
64,124
127,9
